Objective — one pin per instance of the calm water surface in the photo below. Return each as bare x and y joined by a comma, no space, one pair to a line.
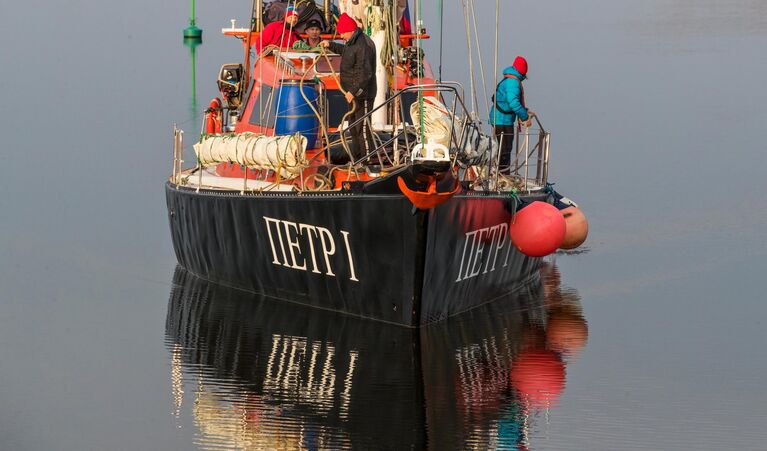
651,339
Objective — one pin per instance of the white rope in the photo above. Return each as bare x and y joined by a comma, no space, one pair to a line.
391,43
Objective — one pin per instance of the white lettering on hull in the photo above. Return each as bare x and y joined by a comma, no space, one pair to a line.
480,250
307,370
298,244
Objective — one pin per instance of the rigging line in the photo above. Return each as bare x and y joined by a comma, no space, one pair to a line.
282,37
261,84
497,161
441,6
306,99
247,50
419,18
479,56
278,64
351,110
260,77
466,24
270,101
495,61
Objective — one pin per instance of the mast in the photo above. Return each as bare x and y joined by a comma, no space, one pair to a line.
259,13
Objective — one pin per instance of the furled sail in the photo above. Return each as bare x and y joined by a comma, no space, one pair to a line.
285,154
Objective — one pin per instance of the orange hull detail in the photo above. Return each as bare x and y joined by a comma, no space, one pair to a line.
342,175
235,171
429,199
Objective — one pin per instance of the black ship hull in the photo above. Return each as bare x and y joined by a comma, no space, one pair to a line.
365,255
246,357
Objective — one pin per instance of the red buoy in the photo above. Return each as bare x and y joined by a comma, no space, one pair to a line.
538,229
538,376
577,227
213,117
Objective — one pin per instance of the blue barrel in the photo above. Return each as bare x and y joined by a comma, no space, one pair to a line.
293,112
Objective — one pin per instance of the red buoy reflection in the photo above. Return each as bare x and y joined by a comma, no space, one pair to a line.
538,375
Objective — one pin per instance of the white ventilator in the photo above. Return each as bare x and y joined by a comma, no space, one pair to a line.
277,153
429,152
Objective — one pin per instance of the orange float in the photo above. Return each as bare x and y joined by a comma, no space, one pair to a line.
341,176
566,331
577,228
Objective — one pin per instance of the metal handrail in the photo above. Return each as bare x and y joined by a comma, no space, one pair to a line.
539,152
178,154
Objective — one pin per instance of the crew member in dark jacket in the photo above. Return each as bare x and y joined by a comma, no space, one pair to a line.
358,78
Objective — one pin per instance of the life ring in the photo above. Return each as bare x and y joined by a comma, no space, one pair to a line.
213,117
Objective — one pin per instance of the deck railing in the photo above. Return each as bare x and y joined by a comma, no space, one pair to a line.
529,162
178,154
530,156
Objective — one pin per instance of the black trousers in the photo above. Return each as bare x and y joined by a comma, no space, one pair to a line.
361,139
505,136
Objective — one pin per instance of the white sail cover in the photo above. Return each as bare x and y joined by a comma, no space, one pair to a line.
278,153
437,121
475,148
358,9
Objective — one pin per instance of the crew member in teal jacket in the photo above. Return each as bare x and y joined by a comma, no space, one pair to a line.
509,105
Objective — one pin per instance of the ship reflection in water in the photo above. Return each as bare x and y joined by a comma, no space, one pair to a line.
254,373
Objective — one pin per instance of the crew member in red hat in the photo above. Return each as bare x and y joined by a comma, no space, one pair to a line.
279,34
509,106
358,78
